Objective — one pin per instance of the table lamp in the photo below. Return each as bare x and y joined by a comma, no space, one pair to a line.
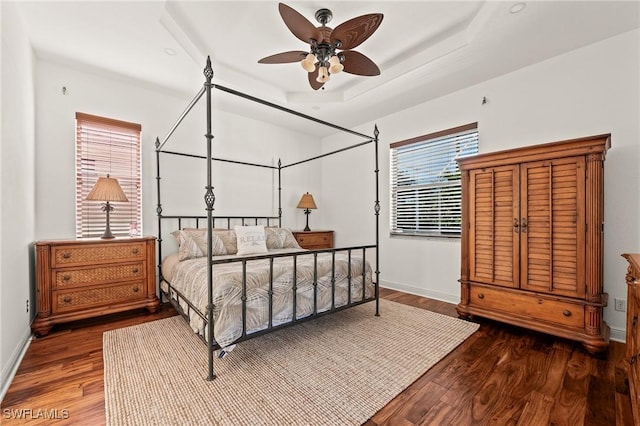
107,189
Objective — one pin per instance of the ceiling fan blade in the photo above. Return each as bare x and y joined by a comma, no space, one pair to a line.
313,82
298,24
356,63
353,32
284,57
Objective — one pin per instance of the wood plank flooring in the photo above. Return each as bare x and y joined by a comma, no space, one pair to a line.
501,375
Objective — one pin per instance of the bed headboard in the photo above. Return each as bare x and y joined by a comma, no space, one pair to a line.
168,224
225,222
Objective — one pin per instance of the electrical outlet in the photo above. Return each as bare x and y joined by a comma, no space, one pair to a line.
27,305
620,305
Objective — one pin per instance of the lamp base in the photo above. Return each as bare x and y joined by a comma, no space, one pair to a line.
107,232
307,212
107,235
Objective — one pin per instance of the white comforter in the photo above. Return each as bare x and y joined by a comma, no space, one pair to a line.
189,277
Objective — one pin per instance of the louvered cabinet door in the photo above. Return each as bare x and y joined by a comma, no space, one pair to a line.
552,226
493,239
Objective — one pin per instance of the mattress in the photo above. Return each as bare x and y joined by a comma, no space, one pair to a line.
189,277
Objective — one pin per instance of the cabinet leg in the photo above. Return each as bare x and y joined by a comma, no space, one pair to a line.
599,344
41,329
462,314
153,305
596,349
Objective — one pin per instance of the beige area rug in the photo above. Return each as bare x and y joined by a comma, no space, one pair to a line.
335,370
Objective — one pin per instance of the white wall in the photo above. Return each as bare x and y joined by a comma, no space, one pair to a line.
16,192
238,189
586,92
38,168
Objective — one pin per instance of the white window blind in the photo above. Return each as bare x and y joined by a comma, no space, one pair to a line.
425,182
106,146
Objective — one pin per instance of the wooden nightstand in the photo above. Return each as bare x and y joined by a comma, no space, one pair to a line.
78,279
314,240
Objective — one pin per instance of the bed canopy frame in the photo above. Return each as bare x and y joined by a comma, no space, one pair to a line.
209,199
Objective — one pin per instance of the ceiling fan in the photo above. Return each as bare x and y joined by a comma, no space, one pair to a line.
329,49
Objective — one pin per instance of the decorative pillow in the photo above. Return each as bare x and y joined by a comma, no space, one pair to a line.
199,235
192,243
228,237
251,240
279,238
187,247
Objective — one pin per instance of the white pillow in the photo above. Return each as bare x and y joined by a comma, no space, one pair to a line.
251,240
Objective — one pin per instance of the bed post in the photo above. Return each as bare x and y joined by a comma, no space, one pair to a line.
377,213
209,199
279,193
159,213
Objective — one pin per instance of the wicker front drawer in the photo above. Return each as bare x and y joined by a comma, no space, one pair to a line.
69,300
71,277
90,254
528,305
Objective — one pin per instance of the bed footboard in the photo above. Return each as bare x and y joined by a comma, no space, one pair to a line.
259,294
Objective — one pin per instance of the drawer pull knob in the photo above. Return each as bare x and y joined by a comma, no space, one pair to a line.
136,270
134,251
633,359
634,322
66,255
136,289
566,313
480,296
66,277
67,299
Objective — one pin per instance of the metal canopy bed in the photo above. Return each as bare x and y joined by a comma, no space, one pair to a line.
322,292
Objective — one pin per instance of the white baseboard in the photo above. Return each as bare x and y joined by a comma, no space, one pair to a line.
444,297
10,369
617,334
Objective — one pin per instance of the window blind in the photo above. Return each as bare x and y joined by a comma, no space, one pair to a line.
107,146
425,182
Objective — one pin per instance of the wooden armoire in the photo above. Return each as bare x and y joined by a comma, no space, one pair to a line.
532,238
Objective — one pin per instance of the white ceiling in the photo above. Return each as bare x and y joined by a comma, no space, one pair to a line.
425,49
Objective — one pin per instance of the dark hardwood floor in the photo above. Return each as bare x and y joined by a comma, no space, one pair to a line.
501,375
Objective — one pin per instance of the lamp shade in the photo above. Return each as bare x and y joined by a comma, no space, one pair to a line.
335,65
323,75
306,202
309,63
107,189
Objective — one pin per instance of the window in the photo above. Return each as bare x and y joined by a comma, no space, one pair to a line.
425,182
106,146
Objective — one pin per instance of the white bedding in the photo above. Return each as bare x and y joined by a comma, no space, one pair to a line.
189,277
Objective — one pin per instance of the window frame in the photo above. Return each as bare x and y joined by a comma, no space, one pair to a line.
429,192
102,141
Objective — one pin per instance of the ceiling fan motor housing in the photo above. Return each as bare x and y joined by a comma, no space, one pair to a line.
324,16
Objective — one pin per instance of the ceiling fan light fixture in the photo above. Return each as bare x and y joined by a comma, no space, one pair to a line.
323,75
324,44
334,65
308,63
